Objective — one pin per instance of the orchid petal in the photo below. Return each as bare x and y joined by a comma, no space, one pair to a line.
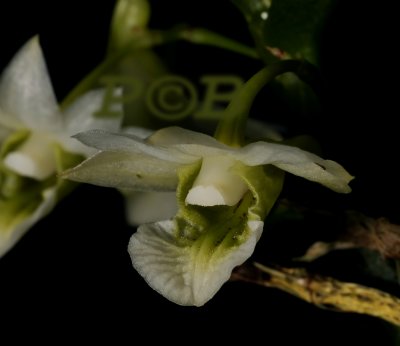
177,135
114,142
126,170
290,159
297,162
26,91
9,122
287,158
140,132
203,150
186,274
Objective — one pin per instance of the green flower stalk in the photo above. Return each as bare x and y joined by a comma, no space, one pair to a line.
224,190
36,143
129,17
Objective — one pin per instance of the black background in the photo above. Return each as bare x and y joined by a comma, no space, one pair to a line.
71,273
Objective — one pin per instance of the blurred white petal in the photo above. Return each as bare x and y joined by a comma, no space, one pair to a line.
26,92
80,115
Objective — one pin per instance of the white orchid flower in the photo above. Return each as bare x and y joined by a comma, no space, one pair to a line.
223,196
136,202
35,141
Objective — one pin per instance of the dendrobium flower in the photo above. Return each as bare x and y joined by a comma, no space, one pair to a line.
136,202
223,195
35,142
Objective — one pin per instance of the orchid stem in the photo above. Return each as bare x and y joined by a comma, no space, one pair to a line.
230,129
210,38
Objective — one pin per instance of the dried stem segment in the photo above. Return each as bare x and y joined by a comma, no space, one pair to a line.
324,291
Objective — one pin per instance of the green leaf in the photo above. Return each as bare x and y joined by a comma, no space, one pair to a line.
287,29
290,29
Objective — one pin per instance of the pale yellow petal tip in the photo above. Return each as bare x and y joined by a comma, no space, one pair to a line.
346,189
337,177
350,179
340,185
205,196
35,40
33,46
346,181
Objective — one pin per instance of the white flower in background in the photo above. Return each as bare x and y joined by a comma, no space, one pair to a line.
35,141
223,195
